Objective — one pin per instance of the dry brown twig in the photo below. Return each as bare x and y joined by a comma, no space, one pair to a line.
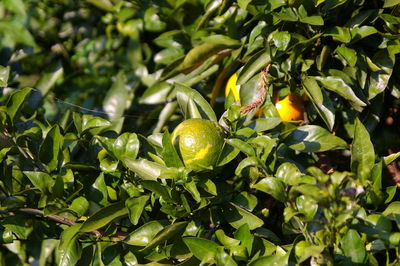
259,100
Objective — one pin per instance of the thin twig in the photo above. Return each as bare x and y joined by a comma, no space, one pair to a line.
56,218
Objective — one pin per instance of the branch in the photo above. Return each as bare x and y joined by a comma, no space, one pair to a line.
56,218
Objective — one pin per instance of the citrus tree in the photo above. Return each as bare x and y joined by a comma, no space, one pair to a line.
199,132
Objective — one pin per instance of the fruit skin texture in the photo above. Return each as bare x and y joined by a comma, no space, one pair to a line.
199,142
231,87
290,108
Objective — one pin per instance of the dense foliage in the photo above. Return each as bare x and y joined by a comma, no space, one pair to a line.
92,89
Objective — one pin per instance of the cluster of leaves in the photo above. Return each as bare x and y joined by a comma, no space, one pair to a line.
91,88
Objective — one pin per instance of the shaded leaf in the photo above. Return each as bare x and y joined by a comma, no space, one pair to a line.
362,152
104,216
192,104
203,249
237,216
69,249
313,139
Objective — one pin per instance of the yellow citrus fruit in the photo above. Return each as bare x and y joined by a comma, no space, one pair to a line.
231,87
199,142
291,107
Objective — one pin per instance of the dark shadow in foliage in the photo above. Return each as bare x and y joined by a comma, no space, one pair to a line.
299,136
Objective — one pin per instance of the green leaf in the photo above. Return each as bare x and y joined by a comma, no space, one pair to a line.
263,124
4,75
80,205
256,64
91,122
47,80
50,149
135,208
116,101
362,152
157,93
169,154
126,145
246,237
390,3
169,232
69,249
338,85
192,104
306,206
98,191
321,101
149,170
159,189
168,55
242,146
200,53
392,212
379,79
225,240
340,34
43,181
313,139
272,186
304,250
17,32
144,234
246,200
228,153
105,5
347,54
391,158
244,3
270,260
359,33
313,20
353,247
203,249
281,39
222,258
237,216
112,255
104,216
16,101
289,174
152,21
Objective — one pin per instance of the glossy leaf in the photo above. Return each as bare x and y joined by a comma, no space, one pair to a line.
339,86
272,186
51,148
313,139
69,249
191,102
104,216
237,216
144,234
135,208
166,234
16,101
149,170
362,152
203,249
169,152
43,181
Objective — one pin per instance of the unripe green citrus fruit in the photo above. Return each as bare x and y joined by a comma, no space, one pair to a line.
199,142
